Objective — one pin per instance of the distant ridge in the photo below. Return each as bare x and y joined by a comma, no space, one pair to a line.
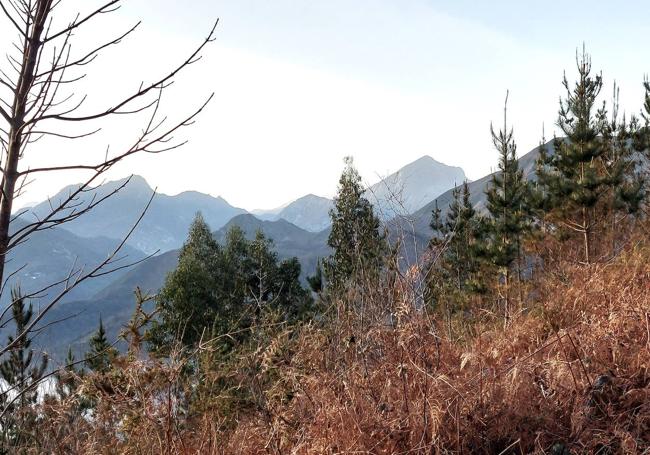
164,226
416,225
413,186
309,212
404,191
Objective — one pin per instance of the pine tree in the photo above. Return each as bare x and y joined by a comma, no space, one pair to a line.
590,175
293,301
359,247
132,332
101,354
272,283
233,274
458,248
18,370
437,225
465,233
262,270
223,289
188,304
626,183
21,375
509,207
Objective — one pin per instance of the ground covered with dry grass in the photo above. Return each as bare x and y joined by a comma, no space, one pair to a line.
568,373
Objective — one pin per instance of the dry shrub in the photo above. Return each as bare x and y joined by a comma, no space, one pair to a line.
568,374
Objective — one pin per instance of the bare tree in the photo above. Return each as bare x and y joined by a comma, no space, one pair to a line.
38,101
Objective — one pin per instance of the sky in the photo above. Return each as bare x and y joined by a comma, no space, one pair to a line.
300,84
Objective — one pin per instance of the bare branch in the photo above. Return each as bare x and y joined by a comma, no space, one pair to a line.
78,23
12,20
139,94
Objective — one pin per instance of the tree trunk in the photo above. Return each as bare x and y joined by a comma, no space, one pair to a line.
506,312
19,107
586,235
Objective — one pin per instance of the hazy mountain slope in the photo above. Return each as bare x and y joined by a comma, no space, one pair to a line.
269,214
413,186
402,192
48,256
163,227
310,213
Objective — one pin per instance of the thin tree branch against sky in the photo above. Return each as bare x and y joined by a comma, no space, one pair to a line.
299,84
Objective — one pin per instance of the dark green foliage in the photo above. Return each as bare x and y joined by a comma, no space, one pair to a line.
591,174
101,354
316,281
358,243
18,370
640,128
21,375
621,163
458,247
508,203
219,290
274,284
293,300
188,302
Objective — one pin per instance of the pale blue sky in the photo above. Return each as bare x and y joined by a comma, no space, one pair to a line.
301,83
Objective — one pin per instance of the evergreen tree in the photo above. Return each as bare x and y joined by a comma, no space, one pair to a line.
233,273
621,159
640,126
437,225
293,301
359,247
509,207
458,248
18,371
590,176
132,332
21,376
275,284
465,232
187,304
217,290
101,354
262,270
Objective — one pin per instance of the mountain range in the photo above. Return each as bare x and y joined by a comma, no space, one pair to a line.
301,228
402,192
52,255
164,226
309,212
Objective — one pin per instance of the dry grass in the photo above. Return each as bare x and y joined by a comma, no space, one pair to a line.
569,374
